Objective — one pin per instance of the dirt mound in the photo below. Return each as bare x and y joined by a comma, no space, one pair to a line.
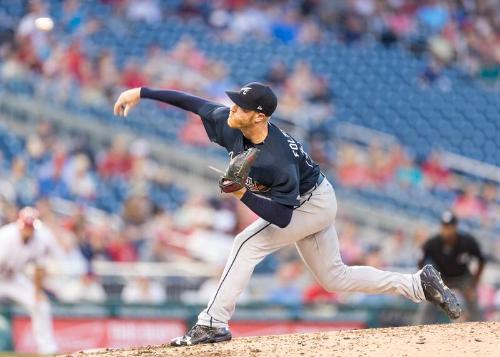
464,339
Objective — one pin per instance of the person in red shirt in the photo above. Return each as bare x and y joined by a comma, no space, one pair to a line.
117,161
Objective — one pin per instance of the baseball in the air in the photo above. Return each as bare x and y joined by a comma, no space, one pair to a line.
44,23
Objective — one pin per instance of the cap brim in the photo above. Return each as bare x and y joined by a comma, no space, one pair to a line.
235,97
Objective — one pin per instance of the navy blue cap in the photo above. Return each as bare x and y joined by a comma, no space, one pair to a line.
255,96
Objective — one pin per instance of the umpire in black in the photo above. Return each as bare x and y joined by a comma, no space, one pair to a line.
452,252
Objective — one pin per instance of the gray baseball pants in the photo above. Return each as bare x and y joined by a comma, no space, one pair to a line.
312,230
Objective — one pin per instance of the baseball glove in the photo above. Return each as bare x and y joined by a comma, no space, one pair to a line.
237,172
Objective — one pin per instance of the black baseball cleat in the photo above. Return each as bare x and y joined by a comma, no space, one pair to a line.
438,293
202,334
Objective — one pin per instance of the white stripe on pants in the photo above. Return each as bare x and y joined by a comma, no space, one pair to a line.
313,232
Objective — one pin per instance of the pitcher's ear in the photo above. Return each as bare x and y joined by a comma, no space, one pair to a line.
260,117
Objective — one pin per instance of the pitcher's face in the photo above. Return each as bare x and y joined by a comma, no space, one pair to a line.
241,118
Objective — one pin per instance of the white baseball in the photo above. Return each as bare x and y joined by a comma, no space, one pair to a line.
44,23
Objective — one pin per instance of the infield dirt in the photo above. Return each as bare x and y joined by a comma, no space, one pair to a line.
452,340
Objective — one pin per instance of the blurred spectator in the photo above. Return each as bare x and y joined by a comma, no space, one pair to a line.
351,248
435,173
250,20
468,204
408,174
132,76
107,72
209,245
316,294
116,161
277,74
398,22
310,33
144,10
286,28
191,8
384,163
352,27
491,201
84,289
206,290
50,172
351,168
187,54
373,256
158,231
75,62
25,186
72,16
33,41
142,290
193,132
137,208
433,15
154,62
397,242
120,247
287,290
79,179
92,239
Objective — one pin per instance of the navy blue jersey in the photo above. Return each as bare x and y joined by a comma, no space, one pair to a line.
283,170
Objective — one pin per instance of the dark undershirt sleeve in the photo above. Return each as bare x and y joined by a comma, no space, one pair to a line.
475,250
179,99
271,211
213,115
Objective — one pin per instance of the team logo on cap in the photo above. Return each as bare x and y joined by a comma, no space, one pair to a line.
245,90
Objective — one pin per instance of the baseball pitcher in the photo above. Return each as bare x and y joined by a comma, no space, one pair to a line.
22,242
271,173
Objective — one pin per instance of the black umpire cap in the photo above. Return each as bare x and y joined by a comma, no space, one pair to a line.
449,218
255,96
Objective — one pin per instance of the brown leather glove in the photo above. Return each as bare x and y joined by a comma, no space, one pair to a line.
237,172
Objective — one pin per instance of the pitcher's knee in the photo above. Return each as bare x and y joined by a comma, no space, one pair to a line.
336,278
239,239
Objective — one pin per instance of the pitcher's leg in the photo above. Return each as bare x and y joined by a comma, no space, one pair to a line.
250,247
321,254
245,255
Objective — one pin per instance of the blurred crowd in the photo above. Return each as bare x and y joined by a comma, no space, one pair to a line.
146,218
391,169
60,175
464,32
72,183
